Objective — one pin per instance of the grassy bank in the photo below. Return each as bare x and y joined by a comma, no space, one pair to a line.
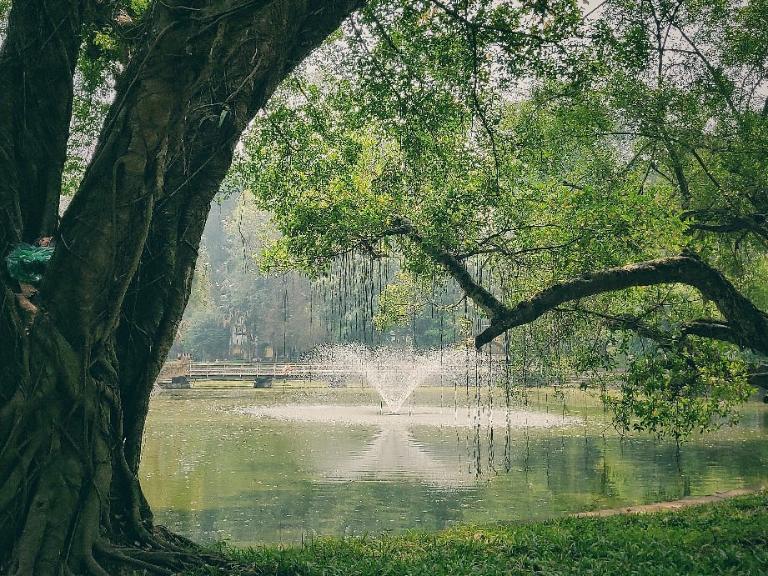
724,538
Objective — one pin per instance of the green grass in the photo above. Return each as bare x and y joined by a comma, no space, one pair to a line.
724,538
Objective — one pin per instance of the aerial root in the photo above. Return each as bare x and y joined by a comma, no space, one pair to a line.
171,542
175,541
185,559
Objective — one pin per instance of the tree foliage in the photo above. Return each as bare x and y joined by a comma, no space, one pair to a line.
518,153
603,168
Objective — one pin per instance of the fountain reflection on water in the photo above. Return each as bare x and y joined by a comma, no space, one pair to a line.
395,374
394,454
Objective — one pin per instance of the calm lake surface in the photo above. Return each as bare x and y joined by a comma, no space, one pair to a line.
285,465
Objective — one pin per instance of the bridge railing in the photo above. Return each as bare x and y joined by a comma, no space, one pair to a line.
247,370
209,370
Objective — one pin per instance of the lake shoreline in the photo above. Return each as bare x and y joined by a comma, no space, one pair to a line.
671,505
726,536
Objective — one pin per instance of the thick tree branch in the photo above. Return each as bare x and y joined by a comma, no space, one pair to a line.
714,330
491,305
741,314
745,324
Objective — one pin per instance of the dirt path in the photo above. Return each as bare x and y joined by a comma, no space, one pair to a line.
673,505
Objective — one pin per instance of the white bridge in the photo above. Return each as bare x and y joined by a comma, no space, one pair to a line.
183,373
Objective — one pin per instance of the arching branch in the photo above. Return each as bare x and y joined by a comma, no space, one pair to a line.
491,305
158,293
164,123
746,324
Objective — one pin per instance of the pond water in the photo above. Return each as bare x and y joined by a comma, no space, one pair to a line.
286,465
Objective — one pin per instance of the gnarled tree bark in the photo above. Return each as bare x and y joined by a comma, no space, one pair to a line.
75,375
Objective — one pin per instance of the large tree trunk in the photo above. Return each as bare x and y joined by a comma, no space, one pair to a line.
76,370
67,495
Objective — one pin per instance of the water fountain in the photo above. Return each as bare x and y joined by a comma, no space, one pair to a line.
393,372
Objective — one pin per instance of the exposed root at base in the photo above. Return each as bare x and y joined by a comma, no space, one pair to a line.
163,557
